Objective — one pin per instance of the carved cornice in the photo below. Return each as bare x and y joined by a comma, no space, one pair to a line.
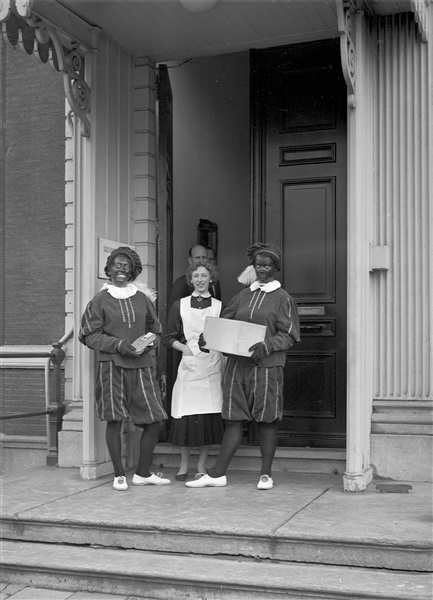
26,31
345,13
421,9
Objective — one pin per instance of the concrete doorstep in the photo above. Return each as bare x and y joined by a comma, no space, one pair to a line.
305,538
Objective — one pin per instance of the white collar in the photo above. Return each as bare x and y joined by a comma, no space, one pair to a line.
120,293
197,295
271,286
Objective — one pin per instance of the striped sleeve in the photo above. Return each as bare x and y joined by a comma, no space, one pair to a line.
91,333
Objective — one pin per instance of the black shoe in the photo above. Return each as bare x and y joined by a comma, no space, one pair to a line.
181,476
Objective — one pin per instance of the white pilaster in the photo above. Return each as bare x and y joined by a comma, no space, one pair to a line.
359,198
86,260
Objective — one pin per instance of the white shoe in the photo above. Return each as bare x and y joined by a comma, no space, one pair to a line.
207,481
265,483
154,479
120,484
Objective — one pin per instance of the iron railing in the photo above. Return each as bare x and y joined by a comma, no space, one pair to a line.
54,407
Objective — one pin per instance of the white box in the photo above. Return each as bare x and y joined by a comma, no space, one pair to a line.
232,337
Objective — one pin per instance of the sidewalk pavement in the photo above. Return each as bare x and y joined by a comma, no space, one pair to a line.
22,592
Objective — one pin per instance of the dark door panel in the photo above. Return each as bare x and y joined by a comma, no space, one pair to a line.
308,239
300,125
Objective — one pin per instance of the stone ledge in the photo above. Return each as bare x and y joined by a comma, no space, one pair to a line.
117,571
393,456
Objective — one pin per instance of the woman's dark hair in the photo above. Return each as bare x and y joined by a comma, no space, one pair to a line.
210,268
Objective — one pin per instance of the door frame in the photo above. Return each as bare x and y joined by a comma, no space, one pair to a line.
360,162
164,218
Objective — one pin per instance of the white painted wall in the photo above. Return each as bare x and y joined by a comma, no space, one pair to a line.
211,159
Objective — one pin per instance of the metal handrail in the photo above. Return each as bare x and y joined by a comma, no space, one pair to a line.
54,411
50,411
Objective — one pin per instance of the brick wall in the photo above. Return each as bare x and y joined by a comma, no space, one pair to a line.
32,207
33,201
21,391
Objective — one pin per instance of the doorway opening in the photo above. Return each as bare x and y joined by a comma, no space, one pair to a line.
259,146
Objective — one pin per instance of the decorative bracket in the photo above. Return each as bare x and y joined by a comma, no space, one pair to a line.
421,10
25,30
345,12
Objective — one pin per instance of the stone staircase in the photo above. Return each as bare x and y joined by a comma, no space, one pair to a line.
305,539
247,458
180,577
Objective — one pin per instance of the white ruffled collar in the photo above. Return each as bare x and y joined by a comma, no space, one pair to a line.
120,293
197,295
271,286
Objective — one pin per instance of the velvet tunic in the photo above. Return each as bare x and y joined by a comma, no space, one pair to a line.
255,391
125,386
108,321
277,311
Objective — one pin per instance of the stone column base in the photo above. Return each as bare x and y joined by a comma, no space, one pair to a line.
357,482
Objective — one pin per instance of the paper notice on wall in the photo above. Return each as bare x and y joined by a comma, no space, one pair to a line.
232,337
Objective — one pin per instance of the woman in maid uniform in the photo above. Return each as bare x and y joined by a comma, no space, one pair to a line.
197,392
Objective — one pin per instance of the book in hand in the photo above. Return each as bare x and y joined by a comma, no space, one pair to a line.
142,342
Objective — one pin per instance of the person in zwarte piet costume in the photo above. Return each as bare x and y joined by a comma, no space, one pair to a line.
253,386
126,385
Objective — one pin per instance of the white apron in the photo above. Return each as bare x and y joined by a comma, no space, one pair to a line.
197,389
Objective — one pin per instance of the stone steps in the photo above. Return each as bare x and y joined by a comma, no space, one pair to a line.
247,458
304,539
331,550
169,576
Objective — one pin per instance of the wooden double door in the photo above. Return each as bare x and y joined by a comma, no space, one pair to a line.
299,182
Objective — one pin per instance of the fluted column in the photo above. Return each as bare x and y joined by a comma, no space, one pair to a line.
403,214
402,419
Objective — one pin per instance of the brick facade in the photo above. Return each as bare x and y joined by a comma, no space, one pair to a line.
22,391
32,200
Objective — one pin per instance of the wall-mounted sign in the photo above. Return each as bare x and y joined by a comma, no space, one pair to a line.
106,247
